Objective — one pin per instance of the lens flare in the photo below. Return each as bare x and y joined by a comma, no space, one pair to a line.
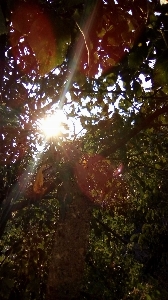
53,125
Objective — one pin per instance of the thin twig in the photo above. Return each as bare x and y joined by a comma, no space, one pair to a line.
87,48
163,36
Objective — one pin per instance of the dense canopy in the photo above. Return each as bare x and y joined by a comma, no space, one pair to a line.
83,198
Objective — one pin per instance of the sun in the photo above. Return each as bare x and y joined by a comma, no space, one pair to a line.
53,124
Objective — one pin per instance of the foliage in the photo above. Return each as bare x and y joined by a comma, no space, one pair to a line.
57,55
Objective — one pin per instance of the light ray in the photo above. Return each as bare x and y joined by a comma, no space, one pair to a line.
18,189
75,60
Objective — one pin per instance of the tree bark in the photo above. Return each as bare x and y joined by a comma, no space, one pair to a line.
68,257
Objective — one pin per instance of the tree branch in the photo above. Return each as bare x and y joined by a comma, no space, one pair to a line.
107,228
134,131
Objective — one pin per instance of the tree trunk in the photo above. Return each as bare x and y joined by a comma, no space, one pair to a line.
70,246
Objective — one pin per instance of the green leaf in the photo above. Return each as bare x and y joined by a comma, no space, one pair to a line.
134,59
134,237
71,3
161,71
137,88
3,29
9,283
101,33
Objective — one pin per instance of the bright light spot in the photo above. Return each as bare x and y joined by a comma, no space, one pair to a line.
145,84
163,2
53,125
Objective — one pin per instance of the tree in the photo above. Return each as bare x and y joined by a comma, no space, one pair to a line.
86,216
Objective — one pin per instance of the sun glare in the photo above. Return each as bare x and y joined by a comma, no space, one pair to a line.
53,124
